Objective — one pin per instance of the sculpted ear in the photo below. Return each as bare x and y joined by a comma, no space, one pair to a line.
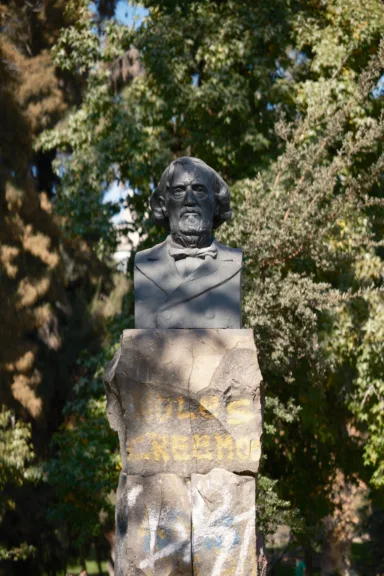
223,210
159,212
162,206
157,202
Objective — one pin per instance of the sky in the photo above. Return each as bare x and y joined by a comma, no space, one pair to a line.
129,13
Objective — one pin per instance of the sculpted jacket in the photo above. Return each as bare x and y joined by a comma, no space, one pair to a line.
210,297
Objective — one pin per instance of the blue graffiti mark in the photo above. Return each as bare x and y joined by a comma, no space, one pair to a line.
213,542
163,541
147,543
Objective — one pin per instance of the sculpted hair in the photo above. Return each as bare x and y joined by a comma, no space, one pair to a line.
222,195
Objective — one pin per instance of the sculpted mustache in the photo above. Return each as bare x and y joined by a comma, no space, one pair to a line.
190,210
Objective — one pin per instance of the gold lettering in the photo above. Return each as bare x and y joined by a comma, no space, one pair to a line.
238,416
184,415
180,448
132,449
201,447
224,443
209,406
243,448
159,447
255,450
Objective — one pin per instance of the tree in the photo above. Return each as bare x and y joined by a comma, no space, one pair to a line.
46,281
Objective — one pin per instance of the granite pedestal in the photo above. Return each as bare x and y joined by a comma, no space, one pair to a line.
187,408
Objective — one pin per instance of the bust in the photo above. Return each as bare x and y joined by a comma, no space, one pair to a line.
190,280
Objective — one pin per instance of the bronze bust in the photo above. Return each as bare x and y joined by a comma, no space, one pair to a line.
190,280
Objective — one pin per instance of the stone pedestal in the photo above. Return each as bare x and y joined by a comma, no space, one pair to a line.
223,524
157,539
186,405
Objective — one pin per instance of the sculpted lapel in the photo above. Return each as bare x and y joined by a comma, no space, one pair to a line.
159,267
211,273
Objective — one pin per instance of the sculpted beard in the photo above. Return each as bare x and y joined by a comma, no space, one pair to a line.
192,228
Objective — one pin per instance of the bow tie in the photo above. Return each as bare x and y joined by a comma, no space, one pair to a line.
180,253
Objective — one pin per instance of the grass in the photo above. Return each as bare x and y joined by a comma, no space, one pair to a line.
92,569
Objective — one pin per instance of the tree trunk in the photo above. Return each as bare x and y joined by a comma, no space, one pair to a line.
98,560
262,563
308,559
335,556
110,537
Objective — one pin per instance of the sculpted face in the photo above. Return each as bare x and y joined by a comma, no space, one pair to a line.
190,205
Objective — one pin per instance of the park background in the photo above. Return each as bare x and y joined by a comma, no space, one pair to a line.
285,100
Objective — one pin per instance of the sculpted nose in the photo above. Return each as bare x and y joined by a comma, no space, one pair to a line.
190,199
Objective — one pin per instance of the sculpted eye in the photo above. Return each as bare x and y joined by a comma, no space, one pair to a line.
200,190
178,191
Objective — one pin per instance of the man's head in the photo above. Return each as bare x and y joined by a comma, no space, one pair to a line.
192,200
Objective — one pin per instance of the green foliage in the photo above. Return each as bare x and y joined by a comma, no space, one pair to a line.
273,511
131,135
367,399
16,457
15,450
282,99
22,552
85,471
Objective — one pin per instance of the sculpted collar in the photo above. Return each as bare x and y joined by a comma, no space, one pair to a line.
179,252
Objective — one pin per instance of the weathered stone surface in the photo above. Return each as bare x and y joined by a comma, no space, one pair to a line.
186,401
223,524
153,526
